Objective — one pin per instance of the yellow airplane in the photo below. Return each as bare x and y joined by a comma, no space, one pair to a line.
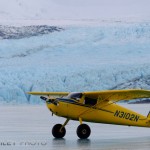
97,106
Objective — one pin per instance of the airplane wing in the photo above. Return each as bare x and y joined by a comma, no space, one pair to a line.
118,95
50,93
107,95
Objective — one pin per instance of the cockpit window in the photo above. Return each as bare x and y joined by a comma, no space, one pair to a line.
75,96
90,101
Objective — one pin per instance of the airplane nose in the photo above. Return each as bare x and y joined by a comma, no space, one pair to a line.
43,98
53,101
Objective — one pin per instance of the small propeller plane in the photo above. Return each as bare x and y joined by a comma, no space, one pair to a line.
97,106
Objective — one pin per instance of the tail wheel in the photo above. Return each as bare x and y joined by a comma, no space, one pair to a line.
57,133
83,131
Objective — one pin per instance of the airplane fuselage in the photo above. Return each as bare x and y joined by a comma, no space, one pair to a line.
105,112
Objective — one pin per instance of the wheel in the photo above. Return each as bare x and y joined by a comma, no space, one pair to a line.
83,131
56,131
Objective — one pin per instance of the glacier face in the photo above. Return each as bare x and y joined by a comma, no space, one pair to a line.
79,58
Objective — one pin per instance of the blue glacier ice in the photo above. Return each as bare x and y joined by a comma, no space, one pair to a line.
78,58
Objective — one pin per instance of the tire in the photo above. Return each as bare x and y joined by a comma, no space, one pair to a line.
56,131
83,131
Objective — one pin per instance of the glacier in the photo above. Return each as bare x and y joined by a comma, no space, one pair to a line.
78,58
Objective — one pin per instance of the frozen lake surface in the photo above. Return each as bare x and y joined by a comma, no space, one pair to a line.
29,127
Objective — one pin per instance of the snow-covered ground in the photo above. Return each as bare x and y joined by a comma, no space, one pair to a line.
78,58
21,130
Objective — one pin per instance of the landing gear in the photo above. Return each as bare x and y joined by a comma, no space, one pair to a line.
58,131
83,131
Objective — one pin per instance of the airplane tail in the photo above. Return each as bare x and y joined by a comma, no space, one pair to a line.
148,115
148,118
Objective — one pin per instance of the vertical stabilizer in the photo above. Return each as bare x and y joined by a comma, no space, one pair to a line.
148,116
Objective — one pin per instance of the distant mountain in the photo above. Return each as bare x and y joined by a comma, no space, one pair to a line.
11,32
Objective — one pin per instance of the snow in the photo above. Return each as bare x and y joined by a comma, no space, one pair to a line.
78,58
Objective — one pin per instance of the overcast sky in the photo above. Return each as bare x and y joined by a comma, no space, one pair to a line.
74,9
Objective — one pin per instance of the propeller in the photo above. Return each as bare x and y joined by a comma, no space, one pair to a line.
49,100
